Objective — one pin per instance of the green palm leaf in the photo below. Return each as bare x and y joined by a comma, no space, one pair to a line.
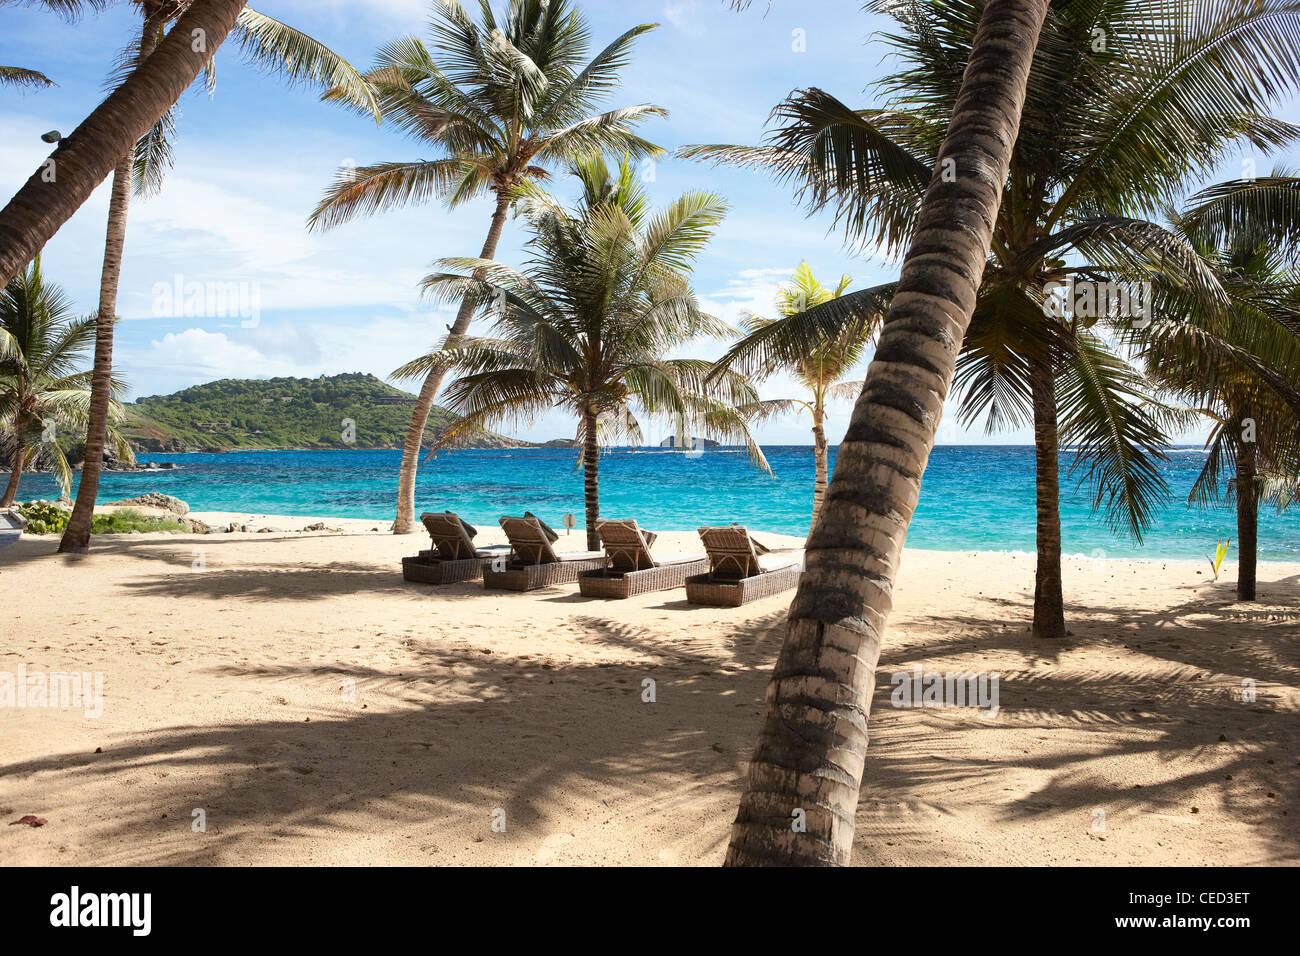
280,48
1118,431
1269,207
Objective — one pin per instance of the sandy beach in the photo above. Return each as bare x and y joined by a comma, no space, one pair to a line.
317,709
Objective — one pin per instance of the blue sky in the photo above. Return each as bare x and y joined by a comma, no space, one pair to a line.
252,161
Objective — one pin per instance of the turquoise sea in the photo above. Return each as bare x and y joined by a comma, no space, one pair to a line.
973,498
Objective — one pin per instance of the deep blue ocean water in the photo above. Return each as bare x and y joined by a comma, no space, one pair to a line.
973,498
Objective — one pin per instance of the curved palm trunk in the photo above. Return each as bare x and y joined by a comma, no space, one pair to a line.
590,486
801,790
15,476
96,147
1049,599
76,536
404,523
820,469
1247,521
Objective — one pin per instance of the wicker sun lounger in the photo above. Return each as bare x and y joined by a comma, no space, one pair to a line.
532,562
453,556
631,569
740,569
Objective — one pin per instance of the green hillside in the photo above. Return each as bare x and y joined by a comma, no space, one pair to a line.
283,413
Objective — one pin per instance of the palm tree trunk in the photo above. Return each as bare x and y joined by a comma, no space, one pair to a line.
1247,521
404,523
15,476
590,487
76,536
819,461
801,790
1049,599
97,146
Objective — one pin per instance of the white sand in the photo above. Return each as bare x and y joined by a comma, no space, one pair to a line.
226,659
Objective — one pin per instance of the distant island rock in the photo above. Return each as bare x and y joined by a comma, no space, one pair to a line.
348,411
695,442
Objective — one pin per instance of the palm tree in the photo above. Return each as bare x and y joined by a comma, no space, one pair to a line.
42,389
588,324
267,42
81,161
1240,371
819,371
1111,80
801,787
503,101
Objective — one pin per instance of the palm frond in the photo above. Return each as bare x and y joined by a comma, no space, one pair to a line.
367,190
281,49
791,339
20,77
839,157
1266,209
154,156
70,10
1116,427
1196,76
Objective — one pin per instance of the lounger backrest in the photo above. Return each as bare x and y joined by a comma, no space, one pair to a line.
528,541
731,552
625,545
450,539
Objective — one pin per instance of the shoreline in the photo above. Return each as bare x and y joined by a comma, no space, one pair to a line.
492,535
354,526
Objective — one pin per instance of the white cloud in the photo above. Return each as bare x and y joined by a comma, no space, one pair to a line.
235,237
750,290
300,349
684,15
203,356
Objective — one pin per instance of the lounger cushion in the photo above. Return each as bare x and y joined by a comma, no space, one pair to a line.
551,536
682,557
774,562
469,528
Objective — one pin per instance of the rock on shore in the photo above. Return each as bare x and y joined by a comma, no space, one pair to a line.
155,500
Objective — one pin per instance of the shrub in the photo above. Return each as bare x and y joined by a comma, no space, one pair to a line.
126,520
43,517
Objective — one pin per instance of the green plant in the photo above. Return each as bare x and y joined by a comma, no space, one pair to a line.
43,517
126,520
1220,552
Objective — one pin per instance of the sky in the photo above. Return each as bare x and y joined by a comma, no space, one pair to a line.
253,159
